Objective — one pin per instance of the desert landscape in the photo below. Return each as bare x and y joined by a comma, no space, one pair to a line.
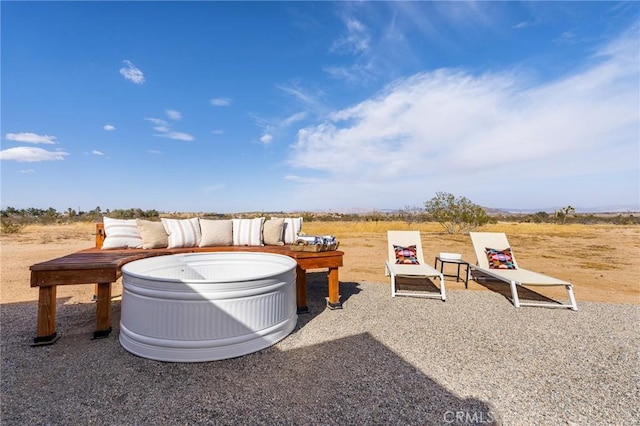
474,359
602,261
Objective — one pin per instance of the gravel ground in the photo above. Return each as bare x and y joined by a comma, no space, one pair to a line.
474,359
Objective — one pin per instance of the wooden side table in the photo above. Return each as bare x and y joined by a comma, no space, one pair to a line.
459,263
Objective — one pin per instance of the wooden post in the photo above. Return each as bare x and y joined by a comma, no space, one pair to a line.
334,290
103,311
46,328
301,290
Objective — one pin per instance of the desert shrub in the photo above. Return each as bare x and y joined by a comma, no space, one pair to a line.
455,214
411,214
11,226
135,213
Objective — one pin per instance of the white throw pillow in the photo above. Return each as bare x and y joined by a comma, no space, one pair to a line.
248,232
292,228
121,234
216,232
182,232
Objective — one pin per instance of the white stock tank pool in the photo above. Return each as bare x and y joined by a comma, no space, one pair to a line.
207,306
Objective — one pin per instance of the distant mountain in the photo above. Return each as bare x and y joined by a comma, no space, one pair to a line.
599,209
495,211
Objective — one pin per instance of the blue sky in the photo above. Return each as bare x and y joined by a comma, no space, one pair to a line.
297,106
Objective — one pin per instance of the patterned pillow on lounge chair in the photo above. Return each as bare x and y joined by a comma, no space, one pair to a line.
406,255
500,259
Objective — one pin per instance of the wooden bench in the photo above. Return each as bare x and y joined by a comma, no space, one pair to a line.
103,267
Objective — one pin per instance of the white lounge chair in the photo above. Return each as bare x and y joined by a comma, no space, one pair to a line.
405,249
516,276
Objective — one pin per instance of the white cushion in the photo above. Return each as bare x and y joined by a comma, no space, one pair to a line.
248,232
182,232
216,232
121,233
292,228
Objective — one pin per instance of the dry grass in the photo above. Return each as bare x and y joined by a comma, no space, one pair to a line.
46,234
603,261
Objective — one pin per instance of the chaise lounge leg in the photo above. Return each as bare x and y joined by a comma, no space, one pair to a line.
393,285
572,299
514,294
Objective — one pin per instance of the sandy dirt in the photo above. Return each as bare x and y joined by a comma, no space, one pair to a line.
602,261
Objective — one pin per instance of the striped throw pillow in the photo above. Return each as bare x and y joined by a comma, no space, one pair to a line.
121,234
292,228
248,232
182,232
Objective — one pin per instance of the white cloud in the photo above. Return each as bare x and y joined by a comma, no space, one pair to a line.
132,73
273,128
359,73
96,152
27,171
174,115
25,154
220,101
157,121
266,139
300,179
181,136
109,127
164,128
31,138
567,37
375,53
309,98
455,131
294,118
217,132
154,151
523,24
355,41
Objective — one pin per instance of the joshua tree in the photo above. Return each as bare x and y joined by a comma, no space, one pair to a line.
561,215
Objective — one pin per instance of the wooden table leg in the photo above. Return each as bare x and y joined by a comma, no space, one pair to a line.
46,328
334,290
301,290
103,311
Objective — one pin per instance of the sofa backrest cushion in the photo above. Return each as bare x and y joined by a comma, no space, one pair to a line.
292,228
216,232
121,234
153,234
273,232
248,232
182,232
